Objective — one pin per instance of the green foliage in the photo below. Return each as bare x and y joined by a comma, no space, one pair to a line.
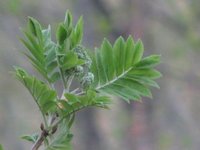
42,94
73,103
1,147
62,138
117,69
31,138
62,142
42,49
120,70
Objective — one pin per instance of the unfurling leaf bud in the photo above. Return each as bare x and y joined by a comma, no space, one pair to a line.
35,28
61,34
68,19
42,126
31,26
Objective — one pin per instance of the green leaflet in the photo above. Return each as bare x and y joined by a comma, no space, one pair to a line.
70,60
119,55
43,96
41,50
61,34
138,52
148,62
35,28
120,70
31,138
107,57
68,19
71,98
78,32
73,103
62,139
128,61
60,143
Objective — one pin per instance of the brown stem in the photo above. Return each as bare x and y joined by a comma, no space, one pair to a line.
45,132
40,140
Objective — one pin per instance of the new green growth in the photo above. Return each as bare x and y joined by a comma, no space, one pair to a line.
117,69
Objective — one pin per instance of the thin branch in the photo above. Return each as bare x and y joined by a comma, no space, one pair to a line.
70,113
45,132
40,140
75,90
69,82
61,74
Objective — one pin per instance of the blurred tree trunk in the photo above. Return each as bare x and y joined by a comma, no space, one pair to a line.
90,136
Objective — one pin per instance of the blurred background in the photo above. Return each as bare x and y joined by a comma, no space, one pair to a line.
170,121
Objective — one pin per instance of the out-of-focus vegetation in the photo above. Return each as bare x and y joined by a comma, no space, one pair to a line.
171,28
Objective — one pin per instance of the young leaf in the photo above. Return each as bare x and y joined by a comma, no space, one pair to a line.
117,69
129,51
107,57
70,60
42,49
61,142
73,103
31,138
61,34
43,96
68,19
62,138
148,62
68,23
121,77
71,98
35,28
138,52
118,51
79,31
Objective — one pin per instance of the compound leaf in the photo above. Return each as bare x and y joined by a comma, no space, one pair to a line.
120,70
42,94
